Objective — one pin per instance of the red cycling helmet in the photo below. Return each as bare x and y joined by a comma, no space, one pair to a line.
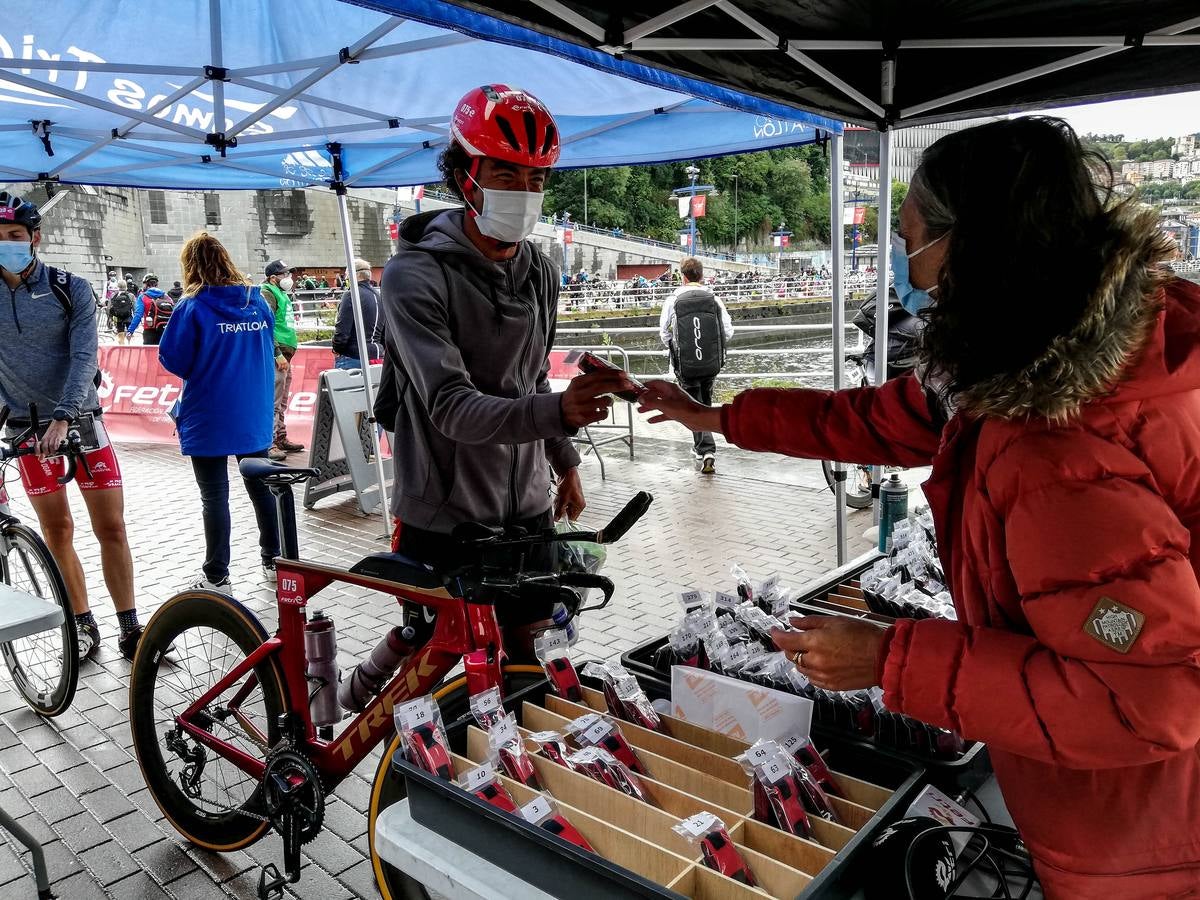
505,123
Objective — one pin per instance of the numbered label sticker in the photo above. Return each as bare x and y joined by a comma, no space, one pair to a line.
504,732
776,770
760,754
478,777
415,713
536,810
699,825
770,584
583,723
791,743
724,599
596,733
553,639
487,701
691,598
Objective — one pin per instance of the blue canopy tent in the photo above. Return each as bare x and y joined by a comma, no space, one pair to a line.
215,94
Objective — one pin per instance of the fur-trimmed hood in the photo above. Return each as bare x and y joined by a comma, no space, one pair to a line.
1102,356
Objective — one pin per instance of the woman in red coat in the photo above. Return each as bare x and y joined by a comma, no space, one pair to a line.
1059,405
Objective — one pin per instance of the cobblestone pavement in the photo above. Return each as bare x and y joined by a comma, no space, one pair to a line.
73,781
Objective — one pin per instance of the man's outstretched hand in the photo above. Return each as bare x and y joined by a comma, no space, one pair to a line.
586,399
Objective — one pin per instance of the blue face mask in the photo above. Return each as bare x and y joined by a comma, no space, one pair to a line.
15,256
913,299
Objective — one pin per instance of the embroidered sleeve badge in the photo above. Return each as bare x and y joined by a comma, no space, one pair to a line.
1114,624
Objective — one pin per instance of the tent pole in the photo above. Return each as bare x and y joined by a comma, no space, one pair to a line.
837,252
218,60
364,354
882,291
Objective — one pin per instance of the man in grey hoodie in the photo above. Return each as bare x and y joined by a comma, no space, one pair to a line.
470,308
49,359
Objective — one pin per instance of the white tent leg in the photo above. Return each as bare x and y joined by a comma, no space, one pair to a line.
364,354
837,251
882,292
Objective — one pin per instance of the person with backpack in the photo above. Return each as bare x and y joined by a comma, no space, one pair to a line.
176,292
153,311
120,309
48,332
221,343
695,328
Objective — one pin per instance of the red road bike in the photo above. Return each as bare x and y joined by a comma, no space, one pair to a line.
219,708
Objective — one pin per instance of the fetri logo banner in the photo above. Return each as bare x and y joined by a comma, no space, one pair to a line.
136,392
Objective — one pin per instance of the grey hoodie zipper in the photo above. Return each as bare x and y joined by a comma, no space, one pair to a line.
513,499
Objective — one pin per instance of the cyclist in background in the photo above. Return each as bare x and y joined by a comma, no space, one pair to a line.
470,308
48,332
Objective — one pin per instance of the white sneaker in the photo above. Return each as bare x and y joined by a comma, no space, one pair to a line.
708,465
224,586
269,574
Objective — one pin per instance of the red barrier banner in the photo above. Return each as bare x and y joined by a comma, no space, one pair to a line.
136,392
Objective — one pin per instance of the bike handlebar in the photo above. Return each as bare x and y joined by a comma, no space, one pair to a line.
609,534
71,448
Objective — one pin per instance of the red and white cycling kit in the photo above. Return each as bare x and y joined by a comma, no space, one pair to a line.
40,477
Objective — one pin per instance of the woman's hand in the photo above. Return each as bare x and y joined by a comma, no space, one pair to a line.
834,652
673,405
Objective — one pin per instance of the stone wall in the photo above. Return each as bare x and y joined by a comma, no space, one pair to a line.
92,231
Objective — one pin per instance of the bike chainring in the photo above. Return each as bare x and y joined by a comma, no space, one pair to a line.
292,795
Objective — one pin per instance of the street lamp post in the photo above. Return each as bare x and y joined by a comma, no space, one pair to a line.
690,191
692,173
735,215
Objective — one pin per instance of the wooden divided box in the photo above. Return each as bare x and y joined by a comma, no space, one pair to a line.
691,770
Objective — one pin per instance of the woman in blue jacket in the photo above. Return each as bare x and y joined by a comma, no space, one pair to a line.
219,341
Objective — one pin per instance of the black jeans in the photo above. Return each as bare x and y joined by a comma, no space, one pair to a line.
212,476
700,390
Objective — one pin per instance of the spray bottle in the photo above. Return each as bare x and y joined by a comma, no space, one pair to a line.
893,508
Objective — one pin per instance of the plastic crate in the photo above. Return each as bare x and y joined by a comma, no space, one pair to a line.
636,861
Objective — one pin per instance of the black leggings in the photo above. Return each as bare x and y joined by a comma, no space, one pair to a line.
212,476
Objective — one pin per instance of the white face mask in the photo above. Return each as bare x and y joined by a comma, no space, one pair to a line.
507,216
286,284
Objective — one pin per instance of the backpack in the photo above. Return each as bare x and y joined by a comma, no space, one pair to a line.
60,287
120,307
158,311
697,335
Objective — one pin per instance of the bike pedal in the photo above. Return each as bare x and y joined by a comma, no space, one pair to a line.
273,889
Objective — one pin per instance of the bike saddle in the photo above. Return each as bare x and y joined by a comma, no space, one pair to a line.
398,568
269,472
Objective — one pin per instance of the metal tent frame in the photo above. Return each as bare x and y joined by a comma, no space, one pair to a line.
139,142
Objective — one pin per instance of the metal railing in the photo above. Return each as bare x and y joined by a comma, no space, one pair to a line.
621,295
610,334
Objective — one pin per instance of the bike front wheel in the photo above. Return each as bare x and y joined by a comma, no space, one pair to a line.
44,666
455,702
858,483
189,644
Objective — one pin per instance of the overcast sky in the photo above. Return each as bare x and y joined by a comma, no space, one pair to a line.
1150,117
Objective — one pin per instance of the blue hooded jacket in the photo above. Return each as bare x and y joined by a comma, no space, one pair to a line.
220,343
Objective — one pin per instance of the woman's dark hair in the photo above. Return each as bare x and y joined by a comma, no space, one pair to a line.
453,158
1029,226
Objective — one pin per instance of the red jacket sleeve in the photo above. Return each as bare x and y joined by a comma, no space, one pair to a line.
889,425
1082,522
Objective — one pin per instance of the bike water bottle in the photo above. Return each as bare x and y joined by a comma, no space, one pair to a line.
320,649
560,616
369,675
893,508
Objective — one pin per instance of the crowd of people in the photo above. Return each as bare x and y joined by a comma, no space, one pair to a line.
1060,434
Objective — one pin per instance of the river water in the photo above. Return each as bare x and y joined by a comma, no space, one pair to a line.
806,362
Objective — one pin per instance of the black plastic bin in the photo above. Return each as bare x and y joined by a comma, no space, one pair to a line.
564,870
